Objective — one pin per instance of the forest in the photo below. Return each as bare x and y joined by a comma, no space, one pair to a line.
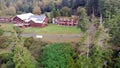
98,46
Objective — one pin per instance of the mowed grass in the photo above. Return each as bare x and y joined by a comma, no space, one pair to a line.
50,29
6,26
54,29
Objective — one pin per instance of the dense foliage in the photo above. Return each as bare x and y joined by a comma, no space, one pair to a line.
22,58
56,55
99,44
117,65
28,42
83,23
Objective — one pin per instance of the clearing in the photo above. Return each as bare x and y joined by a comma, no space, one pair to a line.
50,29
50,33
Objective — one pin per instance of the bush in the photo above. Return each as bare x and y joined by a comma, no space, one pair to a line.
1,32
4,58
4,42
35,48
56,55
10,11
28,42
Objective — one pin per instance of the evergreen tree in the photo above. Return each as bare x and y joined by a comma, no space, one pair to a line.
117,65
71,63
97,57
92,7
83,23
22,58
36,10
11,10
66,3
65,11
83,62
112,20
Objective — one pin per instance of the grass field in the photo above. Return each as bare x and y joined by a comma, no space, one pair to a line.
50,29
6,26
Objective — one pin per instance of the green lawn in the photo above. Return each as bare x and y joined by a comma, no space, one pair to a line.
50,29
6,26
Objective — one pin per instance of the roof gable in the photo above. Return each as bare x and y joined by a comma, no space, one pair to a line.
25,16
38,18
31,17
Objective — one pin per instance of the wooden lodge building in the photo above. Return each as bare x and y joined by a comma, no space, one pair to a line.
30,20
67,21
5,19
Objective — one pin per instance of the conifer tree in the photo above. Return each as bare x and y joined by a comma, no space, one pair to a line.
83,23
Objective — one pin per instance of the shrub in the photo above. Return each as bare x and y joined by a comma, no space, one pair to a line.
56,55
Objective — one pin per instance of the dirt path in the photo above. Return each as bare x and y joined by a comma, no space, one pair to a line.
54,37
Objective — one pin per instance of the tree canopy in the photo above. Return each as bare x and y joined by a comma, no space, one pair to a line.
56,55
